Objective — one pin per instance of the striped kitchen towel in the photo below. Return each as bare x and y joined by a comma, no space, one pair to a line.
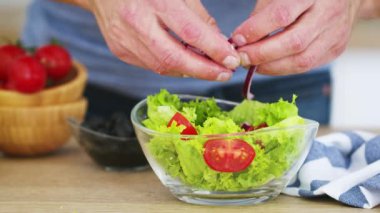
344,166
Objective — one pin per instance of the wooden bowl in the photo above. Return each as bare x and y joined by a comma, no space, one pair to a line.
66,91
28,131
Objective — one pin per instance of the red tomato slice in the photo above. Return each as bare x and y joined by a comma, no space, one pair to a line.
182,120
232,155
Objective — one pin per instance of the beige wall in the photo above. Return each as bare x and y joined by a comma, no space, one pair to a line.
366,34
11,17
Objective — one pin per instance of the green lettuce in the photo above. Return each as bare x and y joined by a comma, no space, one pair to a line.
215,125
255,112
161,108
204,109
183,159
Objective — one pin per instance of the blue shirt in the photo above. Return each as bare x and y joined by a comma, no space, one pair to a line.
77,30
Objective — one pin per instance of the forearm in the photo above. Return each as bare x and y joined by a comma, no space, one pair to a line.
80,3
370,9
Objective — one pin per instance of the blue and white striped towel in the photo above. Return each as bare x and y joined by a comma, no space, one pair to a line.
344,166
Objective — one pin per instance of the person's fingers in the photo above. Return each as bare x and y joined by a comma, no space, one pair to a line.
274,16
115,42
292,40
135,32
337,48
321,51
194,31
197,7
128,57
172,57
137,57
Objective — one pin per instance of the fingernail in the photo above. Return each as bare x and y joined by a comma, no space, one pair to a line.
239,40
233,47
231,62
245,61
224,76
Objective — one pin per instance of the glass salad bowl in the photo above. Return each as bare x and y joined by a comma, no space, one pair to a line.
241,168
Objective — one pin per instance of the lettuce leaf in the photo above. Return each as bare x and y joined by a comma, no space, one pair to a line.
255,112
161,108
204,109
182,159
219,126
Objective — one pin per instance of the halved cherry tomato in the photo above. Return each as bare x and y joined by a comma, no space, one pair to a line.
182,120
228,155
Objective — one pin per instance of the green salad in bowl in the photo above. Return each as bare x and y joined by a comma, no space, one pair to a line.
216,152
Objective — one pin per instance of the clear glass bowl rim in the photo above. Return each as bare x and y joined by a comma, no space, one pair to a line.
76,124
309,124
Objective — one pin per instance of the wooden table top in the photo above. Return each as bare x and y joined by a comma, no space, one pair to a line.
69,181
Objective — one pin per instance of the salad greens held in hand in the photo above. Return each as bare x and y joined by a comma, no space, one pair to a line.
224,163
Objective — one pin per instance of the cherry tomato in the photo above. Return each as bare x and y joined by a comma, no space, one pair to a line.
8,54
181,120
26,75
228,155
55,59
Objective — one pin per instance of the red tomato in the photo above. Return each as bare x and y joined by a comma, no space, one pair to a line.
181,120
228,155
8,54
26,75
55,59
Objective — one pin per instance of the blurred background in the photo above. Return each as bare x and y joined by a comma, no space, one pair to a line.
356,74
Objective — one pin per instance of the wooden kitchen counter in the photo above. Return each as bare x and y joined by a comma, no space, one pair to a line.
69,181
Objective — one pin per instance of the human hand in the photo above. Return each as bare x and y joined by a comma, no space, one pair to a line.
314,33
138,32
